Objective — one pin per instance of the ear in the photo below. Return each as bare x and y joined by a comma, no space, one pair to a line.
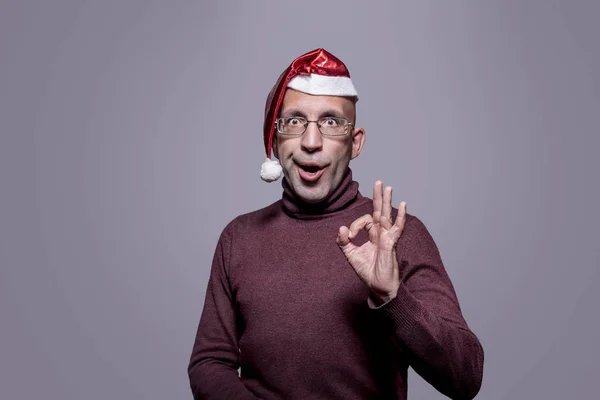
274,146
358,140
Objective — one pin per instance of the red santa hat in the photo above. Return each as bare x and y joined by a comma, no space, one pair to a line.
317,72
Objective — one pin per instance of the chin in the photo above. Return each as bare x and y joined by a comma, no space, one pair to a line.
311,194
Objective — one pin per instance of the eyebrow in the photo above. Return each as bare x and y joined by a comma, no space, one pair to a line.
292,112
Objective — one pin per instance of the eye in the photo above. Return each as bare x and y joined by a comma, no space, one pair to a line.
330,121
294,121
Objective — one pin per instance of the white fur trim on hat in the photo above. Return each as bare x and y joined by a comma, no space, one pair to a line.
323,85
270,170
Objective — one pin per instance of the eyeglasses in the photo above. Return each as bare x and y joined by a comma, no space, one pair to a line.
328,126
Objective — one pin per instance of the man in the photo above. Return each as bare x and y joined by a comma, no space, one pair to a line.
326,294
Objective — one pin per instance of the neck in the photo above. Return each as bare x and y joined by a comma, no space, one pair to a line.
344,195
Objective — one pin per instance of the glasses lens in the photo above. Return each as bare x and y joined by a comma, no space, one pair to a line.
292,125
333,126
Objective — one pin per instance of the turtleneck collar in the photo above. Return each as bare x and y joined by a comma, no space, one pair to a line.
343,196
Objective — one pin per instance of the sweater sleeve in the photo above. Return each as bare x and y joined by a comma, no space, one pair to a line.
427,322
215,356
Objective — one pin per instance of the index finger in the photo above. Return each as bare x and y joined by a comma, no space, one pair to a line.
364,222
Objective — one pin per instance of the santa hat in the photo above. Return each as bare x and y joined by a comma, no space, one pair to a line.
318,73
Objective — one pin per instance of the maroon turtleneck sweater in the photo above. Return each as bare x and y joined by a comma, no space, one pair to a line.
285,306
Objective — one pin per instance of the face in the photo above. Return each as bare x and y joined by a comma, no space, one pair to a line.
314,165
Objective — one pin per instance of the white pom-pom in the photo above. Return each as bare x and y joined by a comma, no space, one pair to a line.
270,170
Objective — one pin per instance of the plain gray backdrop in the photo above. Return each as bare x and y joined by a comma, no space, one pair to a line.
131,133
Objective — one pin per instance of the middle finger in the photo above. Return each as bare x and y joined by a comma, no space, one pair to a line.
377,201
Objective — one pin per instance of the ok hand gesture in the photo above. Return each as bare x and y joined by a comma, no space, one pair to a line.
375,261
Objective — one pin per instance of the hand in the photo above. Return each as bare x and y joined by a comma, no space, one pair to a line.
375,261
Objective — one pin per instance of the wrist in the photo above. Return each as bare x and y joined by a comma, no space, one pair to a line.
382,298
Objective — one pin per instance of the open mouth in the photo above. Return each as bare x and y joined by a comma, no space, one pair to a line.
310,172
311,169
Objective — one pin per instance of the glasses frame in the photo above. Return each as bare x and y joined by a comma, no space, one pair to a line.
348,126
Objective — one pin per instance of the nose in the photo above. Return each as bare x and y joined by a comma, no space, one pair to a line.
311,139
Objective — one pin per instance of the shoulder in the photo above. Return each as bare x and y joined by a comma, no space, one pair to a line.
414,225
257,219
416,240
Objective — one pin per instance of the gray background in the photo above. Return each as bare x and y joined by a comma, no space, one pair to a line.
131,134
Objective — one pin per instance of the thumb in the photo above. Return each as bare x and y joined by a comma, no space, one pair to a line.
343,238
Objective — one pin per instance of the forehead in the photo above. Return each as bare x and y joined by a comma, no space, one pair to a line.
312,104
